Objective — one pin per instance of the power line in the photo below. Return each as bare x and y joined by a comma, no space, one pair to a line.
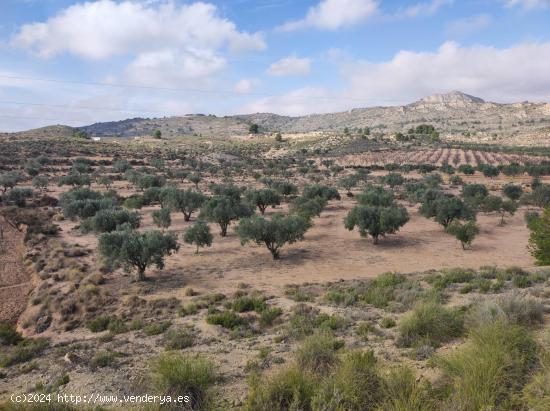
191,90
23,103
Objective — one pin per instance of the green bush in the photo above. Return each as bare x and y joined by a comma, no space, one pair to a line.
290,389
317,354
156,328
24,351
514,309
269,315
179,339
176,374
9,334
227,319
99,323
188,309
355,385
104,359
247,303
490,368
429,323
403,392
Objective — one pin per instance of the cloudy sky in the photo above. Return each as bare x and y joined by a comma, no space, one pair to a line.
77,62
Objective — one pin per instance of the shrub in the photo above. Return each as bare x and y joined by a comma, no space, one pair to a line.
514,309
117,326
99,324
404,392
287,390
269,315
178,339
490,368
539,241
355,386
24,351
188,309
226,319
429,323
104,359
387,322
176,374
247,303
317,354
156,328
9,334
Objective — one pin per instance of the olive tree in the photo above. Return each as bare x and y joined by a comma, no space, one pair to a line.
138,250
393,179
465,233
324,192
512,191
307,207
184,201
110,219
274,233
349,182
9,180
375,220
222,210
497,204
162,218
284,188
444,209
40,182
539,240
263,198
198,234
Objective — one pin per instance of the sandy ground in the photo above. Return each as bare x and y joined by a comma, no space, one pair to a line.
328,253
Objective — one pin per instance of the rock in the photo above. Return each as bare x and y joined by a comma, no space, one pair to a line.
71,358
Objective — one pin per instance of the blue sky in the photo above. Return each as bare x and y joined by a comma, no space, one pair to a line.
108,60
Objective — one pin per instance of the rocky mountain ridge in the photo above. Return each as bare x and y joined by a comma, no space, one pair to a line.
456,115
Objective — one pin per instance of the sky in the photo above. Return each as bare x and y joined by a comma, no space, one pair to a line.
77,62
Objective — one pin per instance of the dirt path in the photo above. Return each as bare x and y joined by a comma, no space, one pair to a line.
15,282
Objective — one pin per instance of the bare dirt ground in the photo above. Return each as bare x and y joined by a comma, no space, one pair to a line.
329,253
14,279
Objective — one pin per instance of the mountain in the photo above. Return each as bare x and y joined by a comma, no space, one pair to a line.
456,115
452,98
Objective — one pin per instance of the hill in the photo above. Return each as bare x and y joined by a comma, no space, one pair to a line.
456,115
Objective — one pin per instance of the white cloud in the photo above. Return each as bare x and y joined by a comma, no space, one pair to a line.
290,66
423,9
528,4
243,86
105,28
167,67
468,25
334,14
510,74
298,102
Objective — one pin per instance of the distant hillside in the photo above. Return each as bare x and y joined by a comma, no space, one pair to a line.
456,115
